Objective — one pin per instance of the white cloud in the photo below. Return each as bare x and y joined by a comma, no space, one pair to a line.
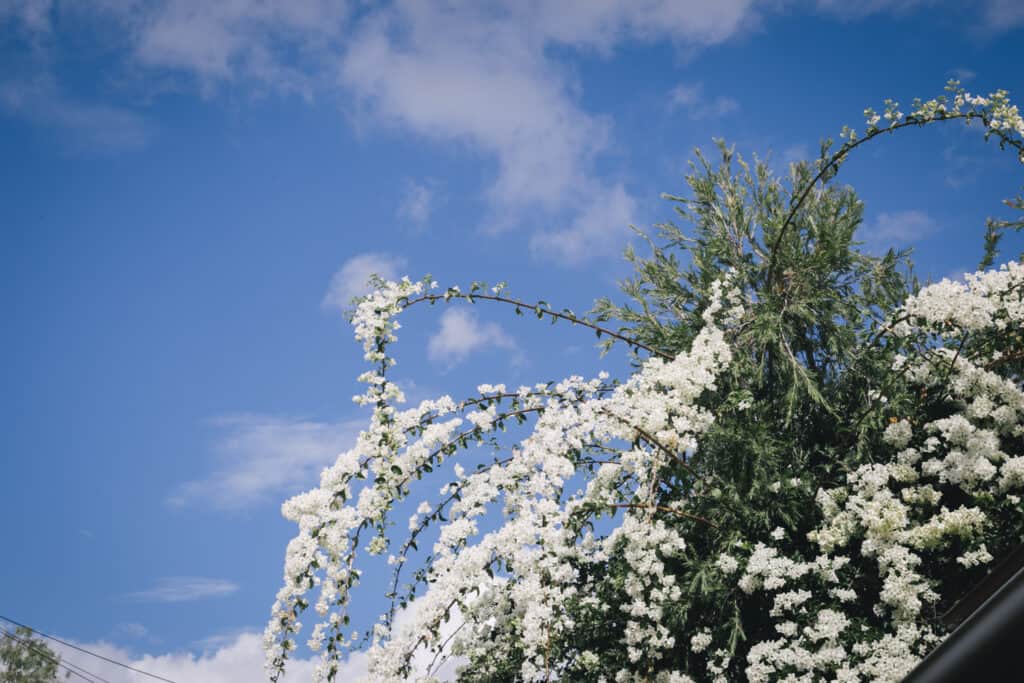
239,661
481,74
794,153
88,126
962,74
417,203
285,45
857,10
264,455
592,232
185,589
692,99
132,630
34,15
461,334
991,17
350,280
601,24
1001,16
238,658
896,229
472,77
218,641
961,166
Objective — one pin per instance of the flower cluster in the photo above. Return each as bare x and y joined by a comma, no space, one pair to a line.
654,415
997,114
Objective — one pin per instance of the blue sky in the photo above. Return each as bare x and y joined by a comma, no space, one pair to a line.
190,190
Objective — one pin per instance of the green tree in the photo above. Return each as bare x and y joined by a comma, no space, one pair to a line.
26,659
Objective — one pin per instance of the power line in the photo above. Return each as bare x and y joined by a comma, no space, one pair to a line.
85,676
64,662
88,652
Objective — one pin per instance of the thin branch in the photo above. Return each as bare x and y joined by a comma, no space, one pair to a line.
654,442
541,311
1002,360
665,508
835,161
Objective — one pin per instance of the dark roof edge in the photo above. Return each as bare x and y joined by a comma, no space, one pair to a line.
989,639
993,581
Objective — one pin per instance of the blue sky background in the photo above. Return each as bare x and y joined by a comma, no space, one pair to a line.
189,189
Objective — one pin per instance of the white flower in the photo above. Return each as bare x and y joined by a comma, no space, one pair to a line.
727,563
700,641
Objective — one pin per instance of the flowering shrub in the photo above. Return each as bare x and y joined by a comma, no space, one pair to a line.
806,469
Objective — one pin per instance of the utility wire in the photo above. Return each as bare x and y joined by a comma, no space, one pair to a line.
65,662
97,677
85,676
88,652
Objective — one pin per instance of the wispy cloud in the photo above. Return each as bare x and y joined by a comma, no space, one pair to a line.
857,10
897,229
480,74
350,280
32,15
961,166
990,17
692,99
1001,16
461,334
795,153
417,203
284,45
259,456
219,641
467,76
132,630
135,632
87,126
962,74
592,232
185,589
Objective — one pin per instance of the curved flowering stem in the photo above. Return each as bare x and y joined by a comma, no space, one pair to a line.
994,112
460,438
441,647
422,525
411,541
423,639
433,514
540,309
